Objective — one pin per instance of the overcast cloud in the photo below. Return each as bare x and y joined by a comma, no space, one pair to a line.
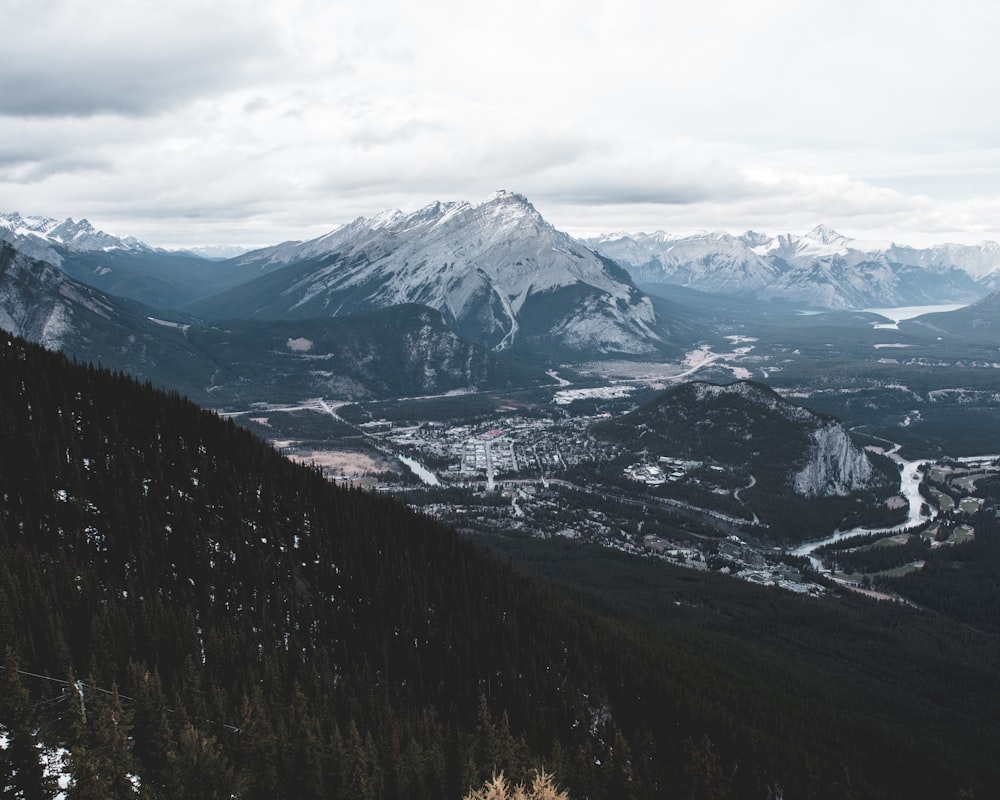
240,121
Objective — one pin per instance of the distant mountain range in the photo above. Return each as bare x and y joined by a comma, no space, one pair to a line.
822,269
502,276
125,267
498,274
44,237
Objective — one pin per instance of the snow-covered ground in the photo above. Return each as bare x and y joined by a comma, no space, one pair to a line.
567,396
53,760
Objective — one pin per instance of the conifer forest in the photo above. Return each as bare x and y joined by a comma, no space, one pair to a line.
184,613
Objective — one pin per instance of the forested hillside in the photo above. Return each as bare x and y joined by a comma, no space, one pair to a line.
181,604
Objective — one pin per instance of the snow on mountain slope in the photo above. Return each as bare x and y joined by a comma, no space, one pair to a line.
980,261
40,303
497,271
822,269
38,236
711,262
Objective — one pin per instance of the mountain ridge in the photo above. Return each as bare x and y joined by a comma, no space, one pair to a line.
487,267
34,234
821,269
400,350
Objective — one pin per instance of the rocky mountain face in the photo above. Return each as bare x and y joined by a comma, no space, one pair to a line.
42,304
834,466
497,271
48,239
405,350
124,267
765,453
822,269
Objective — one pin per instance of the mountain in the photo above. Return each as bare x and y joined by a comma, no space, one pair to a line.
822,269
400,351
125,267
710,262
43,304
41,236
768,454
184,609
981,261
499,273
978,323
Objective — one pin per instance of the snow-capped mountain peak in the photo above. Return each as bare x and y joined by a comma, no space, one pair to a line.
826,235
483,265
821,269
40,236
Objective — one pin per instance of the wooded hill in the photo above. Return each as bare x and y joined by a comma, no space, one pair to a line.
180,603
752,444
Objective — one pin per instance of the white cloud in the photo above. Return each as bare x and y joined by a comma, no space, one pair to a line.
75,58
250,122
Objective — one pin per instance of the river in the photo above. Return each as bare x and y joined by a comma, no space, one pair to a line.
909,487
420,471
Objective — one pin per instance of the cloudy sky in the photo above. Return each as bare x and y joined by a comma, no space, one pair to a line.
251,122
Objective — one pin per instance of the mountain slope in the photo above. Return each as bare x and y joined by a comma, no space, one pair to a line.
41,303
978,323
822,269
393,352
261,632
125,267
775,452
497,271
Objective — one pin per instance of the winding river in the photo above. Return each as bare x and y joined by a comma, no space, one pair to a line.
909,487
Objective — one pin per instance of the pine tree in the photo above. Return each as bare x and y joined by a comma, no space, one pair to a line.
364,778
101,753
703,771
258,746
153,739
199,770
21,773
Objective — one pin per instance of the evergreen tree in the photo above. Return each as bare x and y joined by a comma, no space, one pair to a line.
100,760
258,750
703,771
21,772
199,769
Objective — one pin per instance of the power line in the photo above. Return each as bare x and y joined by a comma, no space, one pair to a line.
80,686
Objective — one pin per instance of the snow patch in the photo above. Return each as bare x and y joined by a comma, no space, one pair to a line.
567,396
167,324
299,345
